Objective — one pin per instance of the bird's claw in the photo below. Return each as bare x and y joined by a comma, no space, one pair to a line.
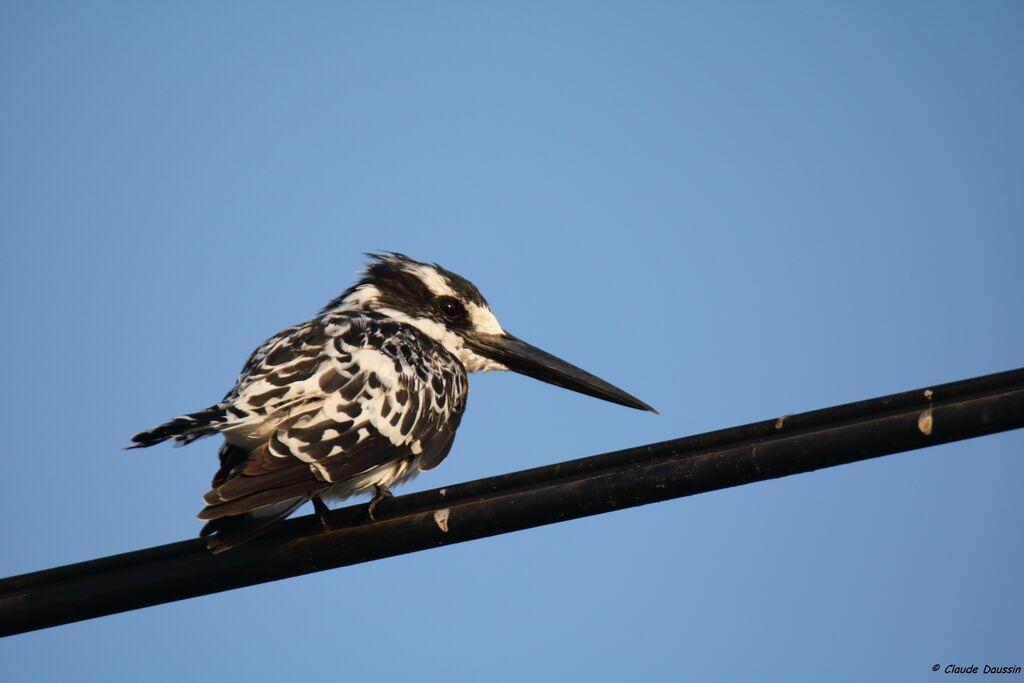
321,509
380,493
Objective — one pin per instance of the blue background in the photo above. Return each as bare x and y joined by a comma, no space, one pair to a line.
733,210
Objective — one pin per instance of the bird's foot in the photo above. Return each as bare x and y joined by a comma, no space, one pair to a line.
321,509
380,493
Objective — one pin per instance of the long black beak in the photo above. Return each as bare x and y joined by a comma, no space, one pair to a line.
518,356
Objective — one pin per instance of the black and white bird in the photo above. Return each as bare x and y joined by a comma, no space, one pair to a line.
360,398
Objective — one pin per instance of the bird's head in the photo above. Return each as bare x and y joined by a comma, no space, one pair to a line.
450,309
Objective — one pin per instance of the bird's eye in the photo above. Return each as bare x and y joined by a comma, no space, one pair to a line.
451,308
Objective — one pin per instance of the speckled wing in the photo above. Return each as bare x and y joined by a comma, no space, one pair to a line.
339,405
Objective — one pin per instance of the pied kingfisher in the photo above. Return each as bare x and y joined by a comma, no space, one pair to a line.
363,396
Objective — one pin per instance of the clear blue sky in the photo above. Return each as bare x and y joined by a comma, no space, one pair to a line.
733,210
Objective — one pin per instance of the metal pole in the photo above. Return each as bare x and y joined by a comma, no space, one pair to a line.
521,500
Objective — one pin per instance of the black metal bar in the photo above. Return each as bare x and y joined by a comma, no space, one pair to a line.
521,500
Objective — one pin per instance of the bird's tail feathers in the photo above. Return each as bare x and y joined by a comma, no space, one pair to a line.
184,429
224,533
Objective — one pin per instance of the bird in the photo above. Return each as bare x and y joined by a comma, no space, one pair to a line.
359,399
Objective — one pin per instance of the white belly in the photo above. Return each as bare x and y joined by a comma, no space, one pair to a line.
387,476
